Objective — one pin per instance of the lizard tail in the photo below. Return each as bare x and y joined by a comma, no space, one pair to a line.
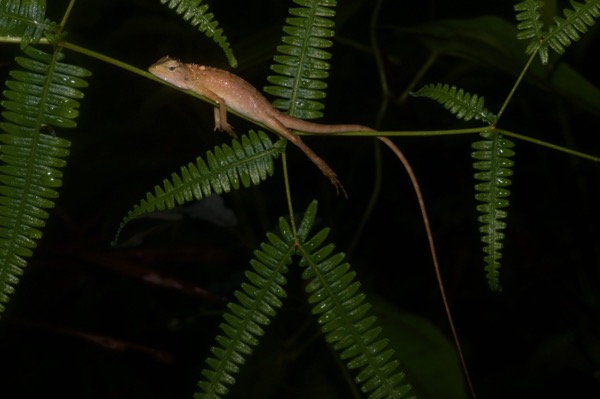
311,127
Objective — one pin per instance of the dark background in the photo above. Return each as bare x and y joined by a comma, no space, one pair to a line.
87,321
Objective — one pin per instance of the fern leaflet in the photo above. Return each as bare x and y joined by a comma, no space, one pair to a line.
301,64
197,14
25,19
576,21
257,303
246,163
42,96
343,314
530,25
493,161
464,105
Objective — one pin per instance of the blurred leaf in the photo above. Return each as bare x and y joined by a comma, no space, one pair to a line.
430,359
491,42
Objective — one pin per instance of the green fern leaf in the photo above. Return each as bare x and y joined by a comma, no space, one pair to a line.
301,64
464,105
531,27
575,21
197,15
337,301
246,163
343,313
495,168
38,98
257,303
25,19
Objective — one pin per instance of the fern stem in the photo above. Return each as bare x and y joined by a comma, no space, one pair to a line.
433,56
288,193
385,90
550,145
107,59
428,133
19,39
411,133
67,14
517,82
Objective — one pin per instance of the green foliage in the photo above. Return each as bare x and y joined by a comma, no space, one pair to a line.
228,168
301,64
493,154
462,104
257,303
562,33
25,19
495,168
345,319
197,15
530,26
575,21
42,95
337,301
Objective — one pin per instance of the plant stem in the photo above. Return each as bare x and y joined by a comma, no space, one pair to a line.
517,82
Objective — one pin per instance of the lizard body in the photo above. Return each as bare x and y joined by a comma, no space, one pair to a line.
228,90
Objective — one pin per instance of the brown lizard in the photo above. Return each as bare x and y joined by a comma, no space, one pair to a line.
229,90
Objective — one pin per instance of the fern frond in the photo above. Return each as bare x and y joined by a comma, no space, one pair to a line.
246,163
24,19
493,161
344,316
530,25
198,15
40,97
257,303
301,65
562,33
464,105
575,21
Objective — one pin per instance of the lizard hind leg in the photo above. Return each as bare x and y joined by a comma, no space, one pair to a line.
321,164
273,122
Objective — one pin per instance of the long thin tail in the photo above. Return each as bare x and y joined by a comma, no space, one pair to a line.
436,265
317,128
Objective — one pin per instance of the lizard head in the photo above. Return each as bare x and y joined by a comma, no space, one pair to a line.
172,71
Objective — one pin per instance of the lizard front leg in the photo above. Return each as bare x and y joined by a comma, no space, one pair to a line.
221,120
220,113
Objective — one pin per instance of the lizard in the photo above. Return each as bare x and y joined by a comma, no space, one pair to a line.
226,89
